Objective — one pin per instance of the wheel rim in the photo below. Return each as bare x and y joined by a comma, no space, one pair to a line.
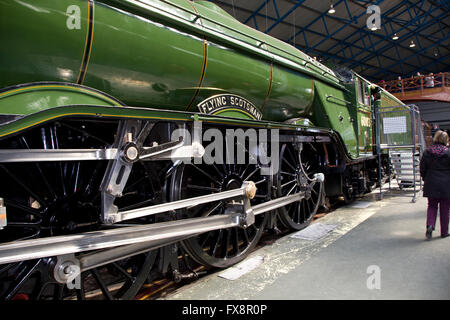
290,179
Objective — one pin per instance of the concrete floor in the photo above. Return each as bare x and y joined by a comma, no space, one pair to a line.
379,252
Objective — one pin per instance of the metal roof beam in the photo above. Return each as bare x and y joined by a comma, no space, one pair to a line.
413,55
355,18
365,48
403,37
388,38
343,45
367,33
434,63
254,13
347,45
339,29
352,19
302,31
314,20
280,19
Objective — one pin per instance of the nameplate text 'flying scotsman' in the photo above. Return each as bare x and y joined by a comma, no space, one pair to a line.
225,102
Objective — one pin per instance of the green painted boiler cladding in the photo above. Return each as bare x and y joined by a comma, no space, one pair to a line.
177,55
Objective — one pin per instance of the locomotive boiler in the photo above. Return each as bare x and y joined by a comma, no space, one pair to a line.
97,187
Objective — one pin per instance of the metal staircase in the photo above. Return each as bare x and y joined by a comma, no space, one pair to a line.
402,163
405,158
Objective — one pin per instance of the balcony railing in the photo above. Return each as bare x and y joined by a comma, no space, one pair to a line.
422,83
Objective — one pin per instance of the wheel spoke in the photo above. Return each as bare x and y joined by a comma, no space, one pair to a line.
305,212
246,236
213,208
204,188
128,276
206,174
134,184
292,206
101,284
217,242
293,158
85,133
28,190
20,279
292,189
4,268
290,165
217,170
251,174
227,243
24,142
309,207
236,240
288,183
205,240
25,208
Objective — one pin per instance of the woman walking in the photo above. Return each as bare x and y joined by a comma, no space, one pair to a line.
435,171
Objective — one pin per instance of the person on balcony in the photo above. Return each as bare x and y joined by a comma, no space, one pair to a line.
399,83
429,81
416,81
435,171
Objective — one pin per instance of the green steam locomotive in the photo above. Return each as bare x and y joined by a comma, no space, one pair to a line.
105,107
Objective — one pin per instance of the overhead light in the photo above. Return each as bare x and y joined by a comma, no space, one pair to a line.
331,10
395,37
412,44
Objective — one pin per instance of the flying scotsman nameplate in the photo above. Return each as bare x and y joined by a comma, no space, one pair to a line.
227,102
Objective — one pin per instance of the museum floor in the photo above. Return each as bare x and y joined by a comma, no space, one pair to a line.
375,250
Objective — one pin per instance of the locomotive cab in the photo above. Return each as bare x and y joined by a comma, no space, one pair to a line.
364,112
360,97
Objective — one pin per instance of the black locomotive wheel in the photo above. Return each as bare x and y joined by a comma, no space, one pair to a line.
57,198
118,280
291,179
225,247
31,280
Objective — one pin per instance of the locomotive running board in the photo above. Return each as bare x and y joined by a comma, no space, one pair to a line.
152,234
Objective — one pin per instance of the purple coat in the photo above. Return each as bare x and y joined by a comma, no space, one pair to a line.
435,172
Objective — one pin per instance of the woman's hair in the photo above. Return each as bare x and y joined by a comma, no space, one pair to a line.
440,137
